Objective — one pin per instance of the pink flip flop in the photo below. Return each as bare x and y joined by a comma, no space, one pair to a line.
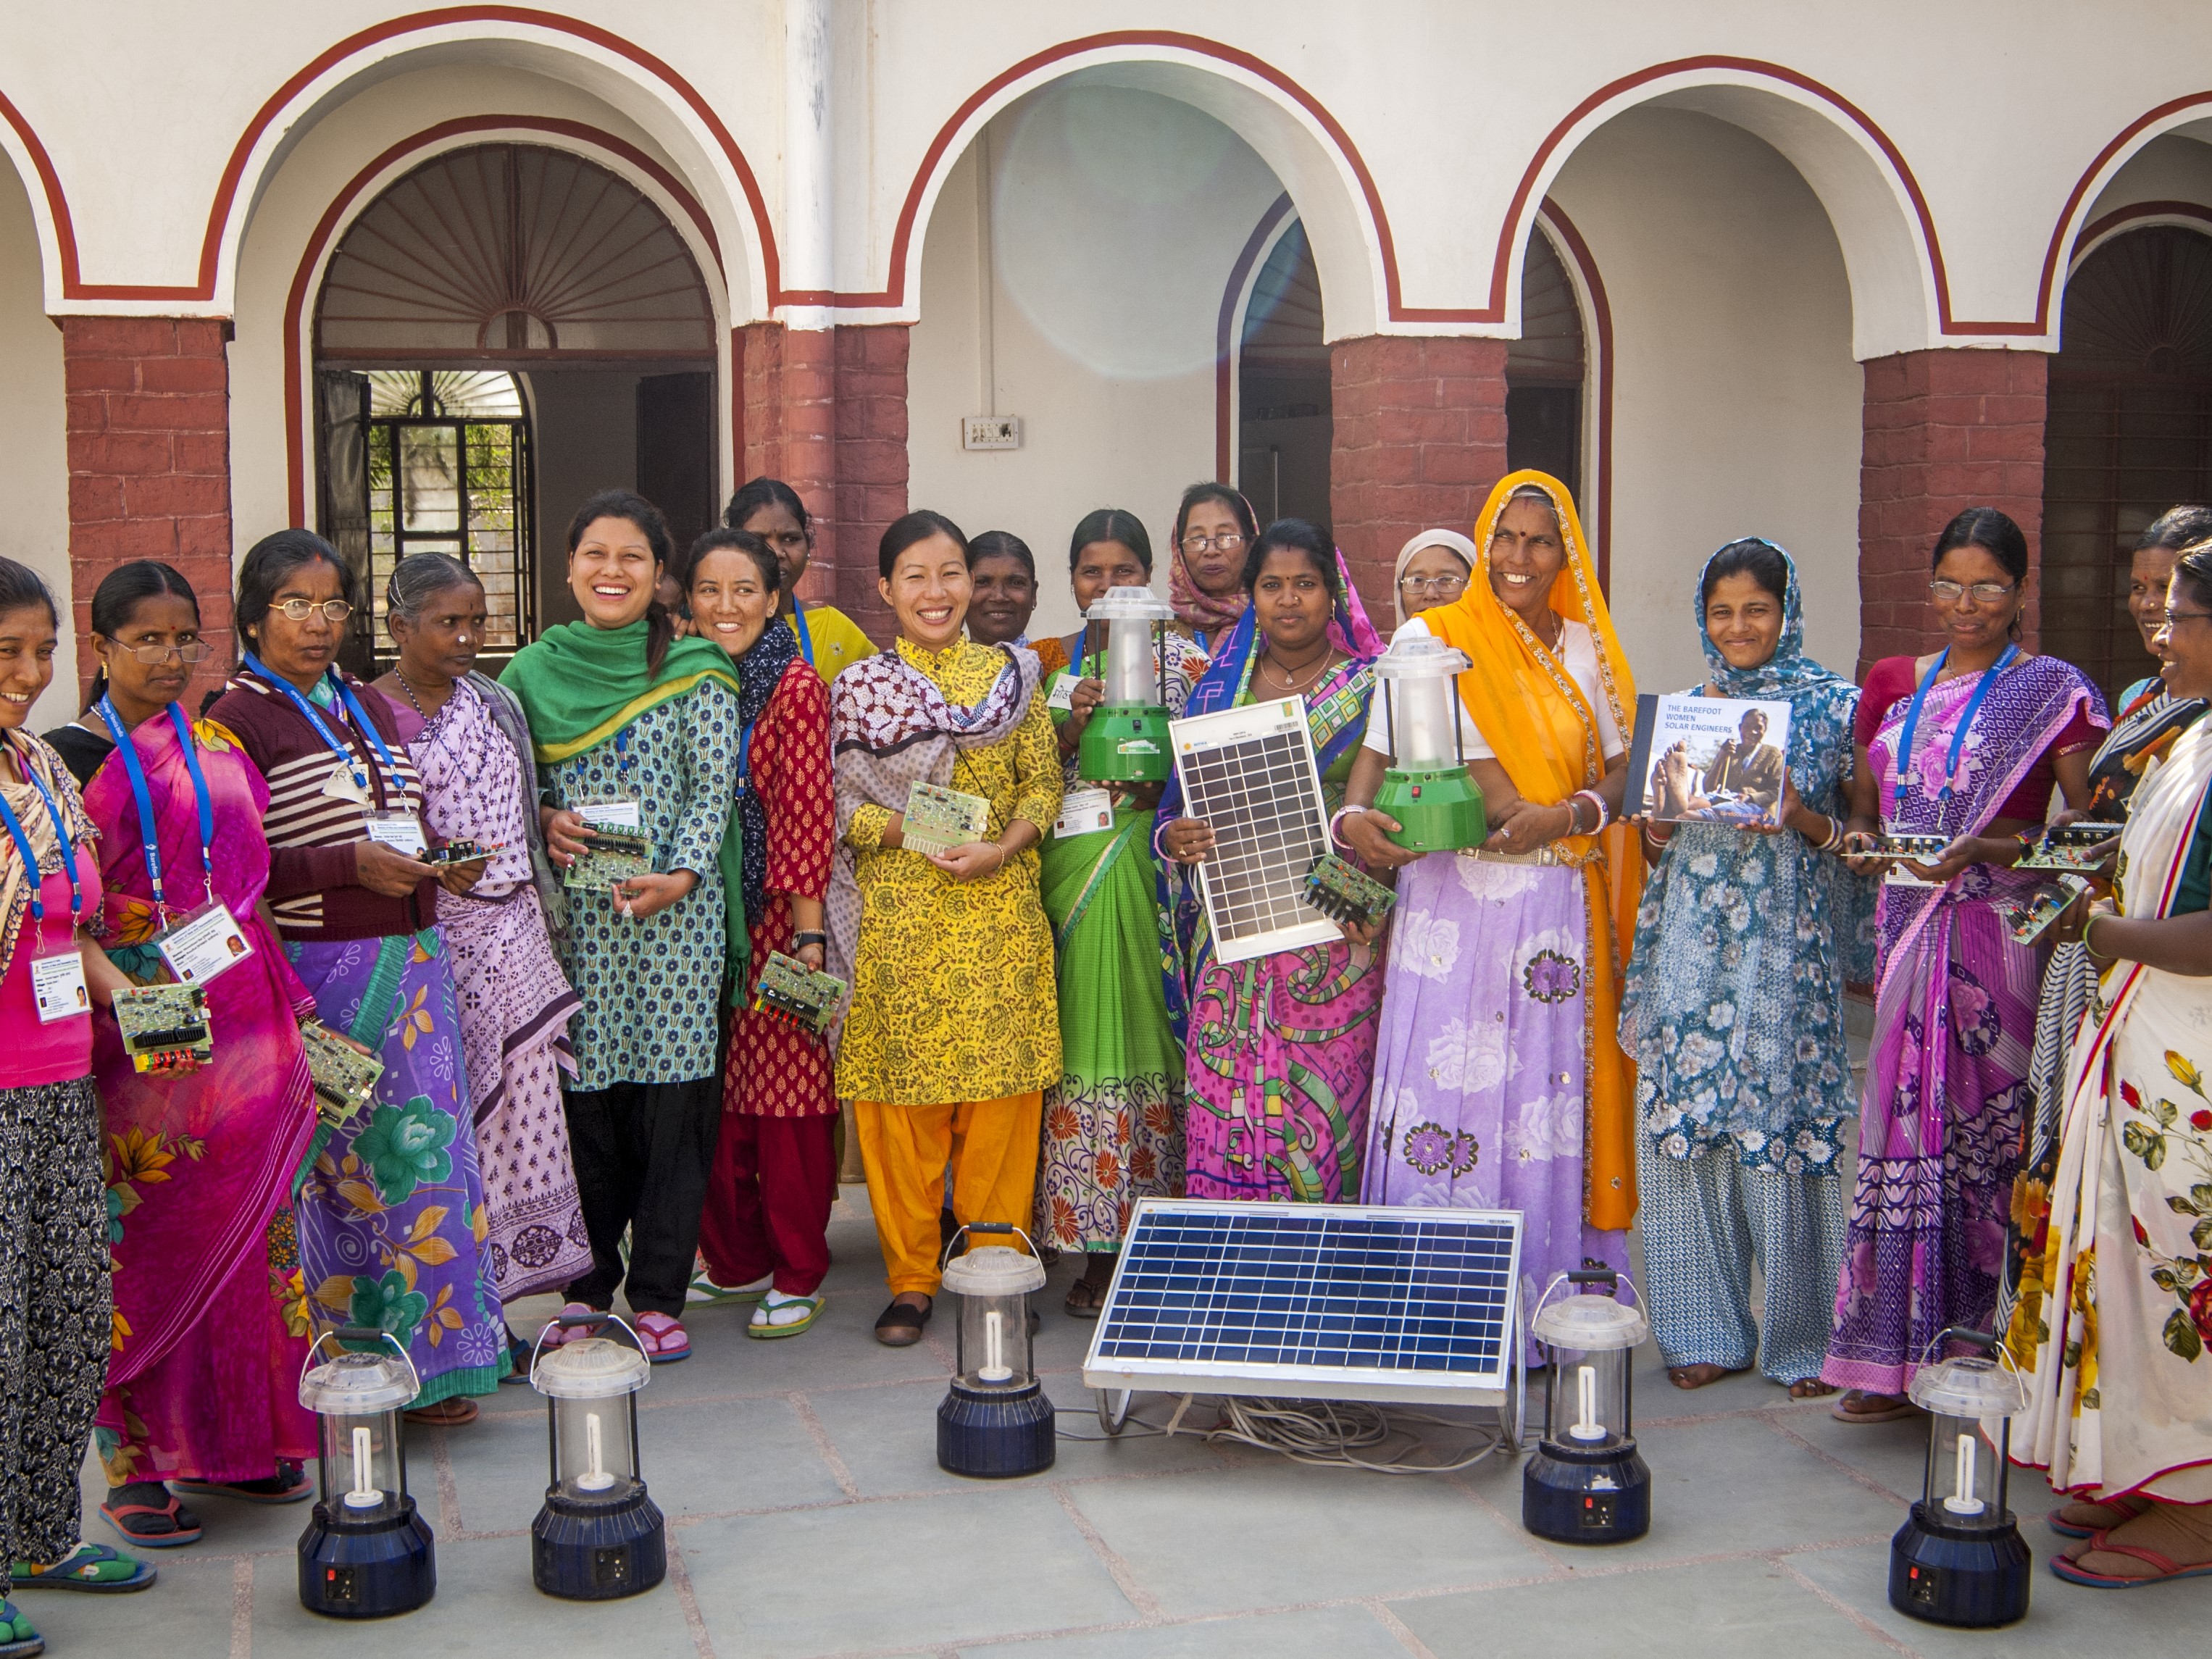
663,1340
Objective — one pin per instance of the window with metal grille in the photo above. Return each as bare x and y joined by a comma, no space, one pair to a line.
449,472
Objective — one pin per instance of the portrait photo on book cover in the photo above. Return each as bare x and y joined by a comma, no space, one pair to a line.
1711,759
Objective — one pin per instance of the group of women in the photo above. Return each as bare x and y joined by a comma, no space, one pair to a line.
543,902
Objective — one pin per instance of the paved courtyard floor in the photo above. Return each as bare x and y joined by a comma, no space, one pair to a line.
808,1517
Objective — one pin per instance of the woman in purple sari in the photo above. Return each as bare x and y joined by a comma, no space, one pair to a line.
1965,742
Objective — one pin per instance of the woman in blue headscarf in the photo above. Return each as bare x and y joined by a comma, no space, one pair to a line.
1734,1014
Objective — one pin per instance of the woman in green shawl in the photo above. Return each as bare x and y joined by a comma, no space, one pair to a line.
637,735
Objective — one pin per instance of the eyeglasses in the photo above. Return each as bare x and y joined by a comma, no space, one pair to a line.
299,611
1433,584
1946,593
1229,541
153,655
2173,616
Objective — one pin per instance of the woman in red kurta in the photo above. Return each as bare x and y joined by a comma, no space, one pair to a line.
764,1235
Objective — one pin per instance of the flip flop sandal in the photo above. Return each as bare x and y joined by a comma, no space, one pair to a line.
663,1340
18,1640
1084,1300
766,1329
2074,1572
2066,1529
182,1532
1842,1413
705,1292
454,1411
288,1486
900,1325
92,1567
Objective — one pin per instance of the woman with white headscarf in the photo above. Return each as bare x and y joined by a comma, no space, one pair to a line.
1432,569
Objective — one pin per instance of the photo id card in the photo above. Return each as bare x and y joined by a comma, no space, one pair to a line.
1083,812
202,946
401,831
57,986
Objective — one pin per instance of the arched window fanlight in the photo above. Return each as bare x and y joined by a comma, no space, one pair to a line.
512,252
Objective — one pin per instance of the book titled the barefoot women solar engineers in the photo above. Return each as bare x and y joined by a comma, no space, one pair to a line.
1709,760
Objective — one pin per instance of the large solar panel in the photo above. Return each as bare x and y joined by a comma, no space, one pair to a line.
1248,772
1337,1302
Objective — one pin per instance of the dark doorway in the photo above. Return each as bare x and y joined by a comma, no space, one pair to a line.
1544,373
676,452
1283,388
2127,435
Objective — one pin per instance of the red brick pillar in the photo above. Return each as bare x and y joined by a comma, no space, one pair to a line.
149,464
1419,440
825,411
1943,431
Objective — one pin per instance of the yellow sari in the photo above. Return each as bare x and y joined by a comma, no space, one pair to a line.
1545,734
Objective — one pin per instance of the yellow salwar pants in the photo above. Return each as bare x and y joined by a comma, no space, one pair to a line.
992,1147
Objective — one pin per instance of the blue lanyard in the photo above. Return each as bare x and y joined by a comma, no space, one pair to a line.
344,752
806,639
25,851
1958,736
1199,634
148,836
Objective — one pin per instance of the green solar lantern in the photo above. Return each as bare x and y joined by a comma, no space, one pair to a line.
1427,789
1127,739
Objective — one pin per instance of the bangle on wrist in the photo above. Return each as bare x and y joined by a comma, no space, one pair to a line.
2089,927
1335,819
1597,805
801,941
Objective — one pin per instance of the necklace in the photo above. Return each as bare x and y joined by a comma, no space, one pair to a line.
429,717
1290,681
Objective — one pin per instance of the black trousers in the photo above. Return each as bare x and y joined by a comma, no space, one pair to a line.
642,1153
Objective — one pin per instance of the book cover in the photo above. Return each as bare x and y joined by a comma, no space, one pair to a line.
1709,760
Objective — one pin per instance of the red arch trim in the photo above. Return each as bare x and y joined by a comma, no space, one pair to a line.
2135,210
295,299
2055,256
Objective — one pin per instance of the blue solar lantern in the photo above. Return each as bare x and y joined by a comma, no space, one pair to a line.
995,1421
365,1553
600,1535
1587,1483
1959,1559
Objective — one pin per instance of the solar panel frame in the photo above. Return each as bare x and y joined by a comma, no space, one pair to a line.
1397,1240
1248,772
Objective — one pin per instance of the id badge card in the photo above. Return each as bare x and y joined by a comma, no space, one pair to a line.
57,985
1083,812
203,945
341,785
618,815
1062,694
401,831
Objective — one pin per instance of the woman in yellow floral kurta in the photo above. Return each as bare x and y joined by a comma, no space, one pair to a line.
954,1028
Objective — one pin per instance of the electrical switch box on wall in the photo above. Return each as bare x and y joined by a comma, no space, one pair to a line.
991,431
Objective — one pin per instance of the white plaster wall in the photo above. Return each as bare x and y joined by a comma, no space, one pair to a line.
2170,169
1117,216
1736,402
33,447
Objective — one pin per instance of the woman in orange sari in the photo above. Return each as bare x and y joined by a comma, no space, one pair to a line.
1500,1080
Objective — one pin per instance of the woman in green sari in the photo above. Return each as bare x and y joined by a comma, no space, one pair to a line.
1112,1126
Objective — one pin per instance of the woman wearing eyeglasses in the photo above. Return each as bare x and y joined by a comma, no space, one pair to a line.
387,1216
1433,569
1965,742
1213,527
202,1385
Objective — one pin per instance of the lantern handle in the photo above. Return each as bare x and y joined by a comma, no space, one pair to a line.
360,1333
1619,1281
570,1322
1987,1341
1005,1227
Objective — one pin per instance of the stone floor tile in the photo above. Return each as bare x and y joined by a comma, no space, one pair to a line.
923,1571
1271,1533
185,1613
1721,1610
1312,1633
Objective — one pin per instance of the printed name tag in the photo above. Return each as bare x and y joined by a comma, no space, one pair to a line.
200,949
401,831
57,986
1062,694
341,785
610,815
1083,812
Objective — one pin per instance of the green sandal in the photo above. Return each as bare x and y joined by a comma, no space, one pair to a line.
705,1292
94,1567
17,1639
762,1327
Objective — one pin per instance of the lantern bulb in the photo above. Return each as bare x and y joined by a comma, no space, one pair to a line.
1962,1500
364,1494
995,1369
1586,1426
595,1477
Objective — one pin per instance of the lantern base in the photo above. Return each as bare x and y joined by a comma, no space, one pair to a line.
1438,812
353,1569
1573,1496
1125,743
996,1435
588,1551
1973,1578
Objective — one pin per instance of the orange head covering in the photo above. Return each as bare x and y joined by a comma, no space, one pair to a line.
1545,734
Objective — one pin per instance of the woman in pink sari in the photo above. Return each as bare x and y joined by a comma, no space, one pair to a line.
210,1313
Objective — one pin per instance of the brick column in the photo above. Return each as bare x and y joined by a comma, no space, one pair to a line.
149,464
1419,440
1943,431
825,411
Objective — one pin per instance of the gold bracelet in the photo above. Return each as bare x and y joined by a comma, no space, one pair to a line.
2089,927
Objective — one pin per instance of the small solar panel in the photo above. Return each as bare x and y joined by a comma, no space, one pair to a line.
1248,772
1344,1301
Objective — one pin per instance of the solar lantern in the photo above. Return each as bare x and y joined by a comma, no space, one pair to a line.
600,1535
365,1553
1587,1483
1959,1559
1127,739
995,1421
1427,789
